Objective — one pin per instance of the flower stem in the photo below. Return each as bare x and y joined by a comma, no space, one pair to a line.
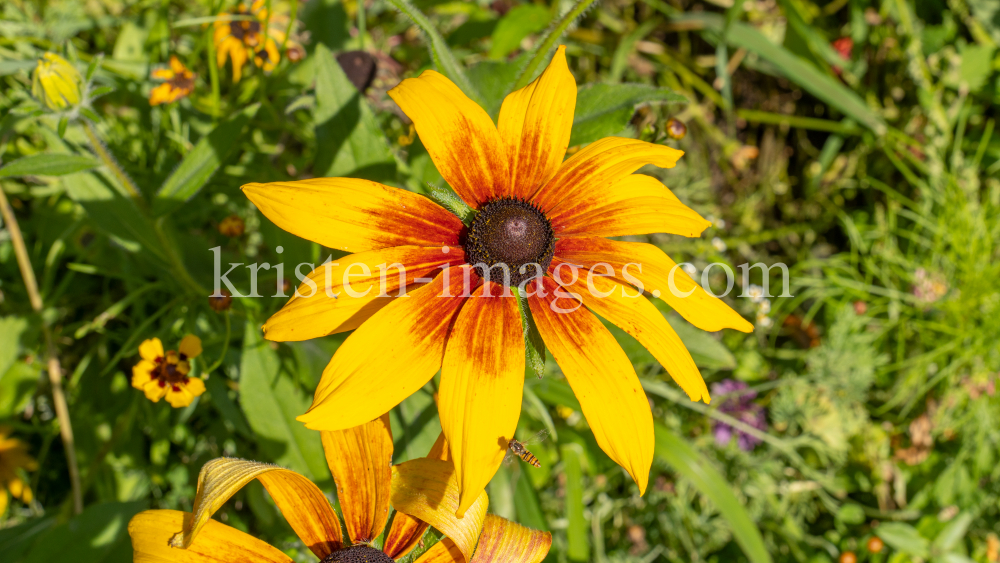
225,348
108,159
54,368
550,41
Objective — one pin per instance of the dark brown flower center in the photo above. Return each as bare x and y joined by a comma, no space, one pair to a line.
357,554
172,369
513,234
245,30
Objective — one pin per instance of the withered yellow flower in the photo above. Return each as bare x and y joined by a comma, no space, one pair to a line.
423,491
56,83
14,458
532,210
179,82
161,374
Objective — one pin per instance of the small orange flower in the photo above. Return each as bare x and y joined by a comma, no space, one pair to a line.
159,374
179,83
13,458
241,35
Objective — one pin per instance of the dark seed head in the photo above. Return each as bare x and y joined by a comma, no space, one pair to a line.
358,554
676,129
513,233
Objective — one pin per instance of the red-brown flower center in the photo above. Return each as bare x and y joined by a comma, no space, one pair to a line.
358,554
514,235
245,30
171,370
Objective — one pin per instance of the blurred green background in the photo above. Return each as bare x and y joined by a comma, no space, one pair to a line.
852,140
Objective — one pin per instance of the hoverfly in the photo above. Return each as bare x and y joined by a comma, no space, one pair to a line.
516,448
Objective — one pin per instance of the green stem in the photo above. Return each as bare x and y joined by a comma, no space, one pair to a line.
810,123
108,159
362,25
550,40
225,348
213,71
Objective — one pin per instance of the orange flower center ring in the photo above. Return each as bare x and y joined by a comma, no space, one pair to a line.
513,233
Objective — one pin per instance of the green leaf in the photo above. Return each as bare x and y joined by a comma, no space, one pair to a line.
113,211
442,56
447,198
706,351
903,537
271,400
349,142
16,386
202,162
534,347
98,534
697,470
953,533
527,505
603,110
802,73
576,530
219,392
495,79
515,25
16,540
850,513
47,164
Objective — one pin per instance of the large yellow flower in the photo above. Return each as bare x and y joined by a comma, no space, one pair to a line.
531,207
423,491
13,458
160,374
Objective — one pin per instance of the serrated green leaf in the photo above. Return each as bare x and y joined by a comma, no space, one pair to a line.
202,162
47,164
520,22
271,400
605,109
697,470
349,142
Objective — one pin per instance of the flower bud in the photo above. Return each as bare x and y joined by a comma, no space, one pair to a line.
221,301
232,226
56,83
676,129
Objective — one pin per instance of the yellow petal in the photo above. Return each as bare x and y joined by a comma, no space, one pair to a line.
388,358
141,373
155,390
428,489
600,165
637,316
312,313
151,531
458,134
503,541
602,379
653,268
190,346
195,386
304,506
151,349
4,499
355,215
482,381
178,396
176,65
360,459
535,124
635,205
404,534
444,551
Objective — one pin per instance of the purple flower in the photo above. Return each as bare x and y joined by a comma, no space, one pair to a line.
737,402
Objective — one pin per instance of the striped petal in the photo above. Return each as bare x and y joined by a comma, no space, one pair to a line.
389,357
428,489
535,124
217,543
303,505
404,535
653,269
633,313
458,134
634,205
599,166
312,312
601,376
444,551
503,541
354,215
360,460
482,381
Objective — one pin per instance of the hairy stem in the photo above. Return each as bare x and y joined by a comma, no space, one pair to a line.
550,41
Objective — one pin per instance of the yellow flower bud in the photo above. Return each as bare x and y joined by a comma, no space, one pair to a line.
56,83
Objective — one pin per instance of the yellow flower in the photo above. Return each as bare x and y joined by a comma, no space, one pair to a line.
243,38
13,458
423,491
532,208
161,375
56,83
179,83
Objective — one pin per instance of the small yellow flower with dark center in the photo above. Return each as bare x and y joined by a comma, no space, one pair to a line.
56,83
423,491
535,209
13,459
243,37
161,374
232,226
179,83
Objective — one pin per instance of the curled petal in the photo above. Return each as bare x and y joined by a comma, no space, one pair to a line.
503,541
360,459
444,551
216,543
304,506
428,489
